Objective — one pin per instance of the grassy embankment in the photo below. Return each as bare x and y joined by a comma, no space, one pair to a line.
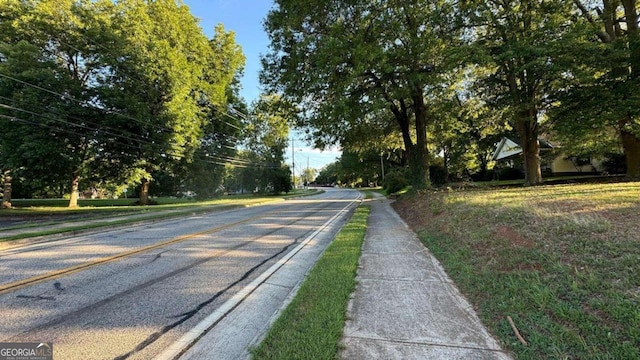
311,326
562,261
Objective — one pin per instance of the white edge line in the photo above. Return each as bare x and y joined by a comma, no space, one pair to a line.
175,350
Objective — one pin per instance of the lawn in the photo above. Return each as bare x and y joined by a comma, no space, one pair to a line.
562,261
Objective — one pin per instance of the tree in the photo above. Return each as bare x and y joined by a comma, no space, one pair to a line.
309,175
111,92
342,60
602,86
6,185
163,78
50,71
328,175
519,41
468,130
260,166
224,122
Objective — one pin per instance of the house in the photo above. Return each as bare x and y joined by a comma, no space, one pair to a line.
554,162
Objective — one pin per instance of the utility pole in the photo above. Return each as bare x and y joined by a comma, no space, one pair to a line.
307,181
293,163
382,167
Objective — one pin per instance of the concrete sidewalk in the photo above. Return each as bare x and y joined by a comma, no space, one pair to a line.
405,306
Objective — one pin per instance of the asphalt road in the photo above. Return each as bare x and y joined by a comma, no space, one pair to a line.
130,293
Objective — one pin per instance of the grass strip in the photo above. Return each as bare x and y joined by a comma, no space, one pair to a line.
311,326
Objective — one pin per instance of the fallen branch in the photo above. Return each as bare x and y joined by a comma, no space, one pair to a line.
515,330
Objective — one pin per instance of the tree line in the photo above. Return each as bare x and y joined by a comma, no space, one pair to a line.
425,82
110,94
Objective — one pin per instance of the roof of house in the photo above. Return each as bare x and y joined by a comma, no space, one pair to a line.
508,149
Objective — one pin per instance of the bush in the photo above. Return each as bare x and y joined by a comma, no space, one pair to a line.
510,173
615,164
438,175
484,175
395,181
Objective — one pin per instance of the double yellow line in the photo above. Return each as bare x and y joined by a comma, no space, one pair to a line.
72,269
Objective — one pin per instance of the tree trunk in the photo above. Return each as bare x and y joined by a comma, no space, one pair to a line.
73,199
631,142
144,192
528,131
6,194
631,147
420,159
416,154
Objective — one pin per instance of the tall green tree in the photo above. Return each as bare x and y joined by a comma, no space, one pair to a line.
341,60
224,117
50,71
162,75
111,92
266,136
602,87
518,41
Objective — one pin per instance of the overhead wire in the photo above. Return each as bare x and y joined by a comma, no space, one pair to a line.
97,126
111,52
208,158
230,109
101,127
204,155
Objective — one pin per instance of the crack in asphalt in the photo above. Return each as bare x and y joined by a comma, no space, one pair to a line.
189,314
37,297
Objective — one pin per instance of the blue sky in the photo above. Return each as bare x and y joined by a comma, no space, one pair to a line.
245,19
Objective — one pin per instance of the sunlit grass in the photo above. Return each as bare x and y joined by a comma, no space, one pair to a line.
40,206
563,261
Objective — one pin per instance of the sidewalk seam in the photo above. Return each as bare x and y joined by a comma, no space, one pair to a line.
423,343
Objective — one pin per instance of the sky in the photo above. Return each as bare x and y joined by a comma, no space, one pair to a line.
245,18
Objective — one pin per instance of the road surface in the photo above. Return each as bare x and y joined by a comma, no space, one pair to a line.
131,293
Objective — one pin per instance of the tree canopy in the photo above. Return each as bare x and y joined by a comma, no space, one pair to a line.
437,74
343,61
112,92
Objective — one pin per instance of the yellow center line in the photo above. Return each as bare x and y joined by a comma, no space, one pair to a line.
72,269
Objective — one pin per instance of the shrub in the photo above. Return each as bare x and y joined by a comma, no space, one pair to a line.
438,175
395,181
615,164
509,173
484,175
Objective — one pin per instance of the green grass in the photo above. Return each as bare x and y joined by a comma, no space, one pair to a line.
546,180
311,326
563,261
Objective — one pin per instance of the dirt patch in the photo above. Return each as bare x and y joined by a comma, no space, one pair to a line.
422,210
513,237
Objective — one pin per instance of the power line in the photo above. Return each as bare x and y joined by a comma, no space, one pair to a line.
205,157
230,159
201,152
230,111
97,127
111,52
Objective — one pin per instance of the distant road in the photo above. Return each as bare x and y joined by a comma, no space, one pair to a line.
129,293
